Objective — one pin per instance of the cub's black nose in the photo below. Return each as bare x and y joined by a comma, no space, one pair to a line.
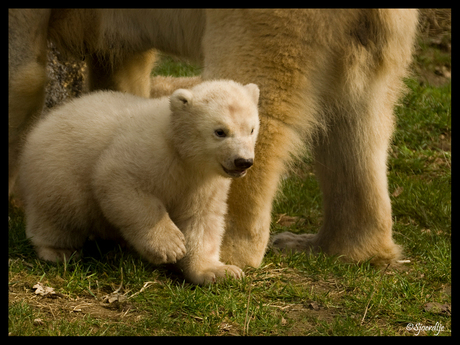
241,163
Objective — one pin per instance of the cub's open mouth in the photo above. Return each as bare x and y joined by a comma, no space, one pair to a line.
235,173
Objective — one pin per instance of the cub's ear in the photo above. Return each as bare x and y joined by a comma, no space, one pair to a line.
181,99
253,91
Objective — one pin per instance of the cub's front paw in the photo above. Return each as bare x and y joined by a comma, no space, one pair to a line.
213,274
167,248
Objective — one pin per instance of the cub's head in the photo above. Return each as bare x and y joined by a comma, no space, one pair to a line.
215,124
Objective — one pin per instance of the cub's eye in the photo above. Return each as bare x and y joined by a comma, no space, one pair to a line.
220,133
252,130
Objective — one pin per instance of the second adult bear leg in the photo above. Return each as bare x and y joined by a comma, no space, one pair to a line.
26,79
351,153
350,163
129,73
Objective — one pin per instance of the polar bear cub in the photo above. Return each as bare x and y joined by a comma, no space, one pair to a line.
155,172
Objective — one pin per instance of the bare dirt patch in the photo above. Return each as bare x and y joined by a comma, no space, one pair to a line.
58,306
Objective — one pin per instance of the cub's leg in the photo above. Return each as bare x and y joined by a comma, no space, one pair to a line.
52,241
145,224
141,218
203,237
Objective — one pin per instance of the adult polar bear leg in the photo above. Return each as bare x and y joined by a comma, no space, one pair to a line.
26,78
356,206
235,48
131,73
249,210
350,159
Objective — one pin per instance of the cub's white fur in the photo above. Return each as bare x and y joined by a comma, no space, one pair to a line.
153,171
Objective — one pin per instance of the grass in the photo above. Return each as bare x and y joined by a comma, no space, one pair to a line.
168,65
293,294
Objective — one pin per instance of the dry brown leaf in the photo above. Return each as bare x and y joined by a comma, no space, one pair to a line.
42,290
114,297
38,322
397,192
314,306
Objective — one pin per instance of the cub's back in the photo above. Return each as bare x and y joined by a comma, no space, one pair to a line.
89,123
62,148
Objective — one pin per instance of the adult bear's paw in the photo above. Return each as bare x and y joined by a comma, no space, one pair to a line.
287,241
